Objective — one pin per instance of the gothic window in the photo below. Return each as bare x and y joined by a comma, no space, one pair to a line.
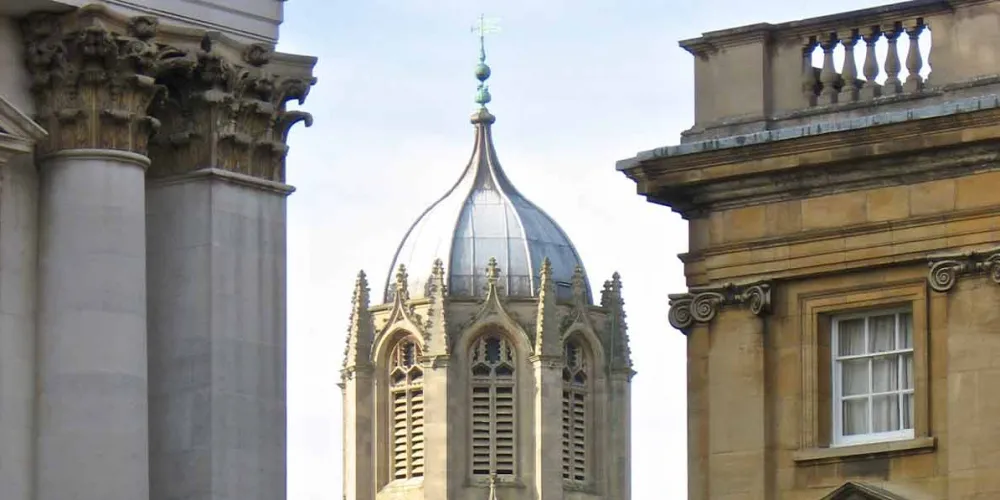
574,412
493,422
872,377
406,402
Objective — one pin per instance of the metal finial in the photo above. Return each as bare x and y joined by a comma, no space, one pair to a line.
482,28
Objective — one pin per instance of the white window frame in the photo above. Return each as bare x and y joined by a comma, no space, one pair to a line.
837,436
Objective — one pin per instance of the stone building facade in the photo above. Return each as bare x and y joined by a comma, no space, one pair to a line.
842,271
487,371
142,248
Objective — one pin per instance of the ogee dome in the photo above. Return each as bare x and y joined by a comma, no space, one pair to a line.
483,216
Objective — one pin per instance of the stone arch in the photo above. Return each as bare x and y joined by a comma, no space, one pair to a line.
388,340
592,342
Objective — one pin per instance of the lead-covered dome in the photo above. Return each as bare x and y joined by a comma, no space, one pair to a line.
483,216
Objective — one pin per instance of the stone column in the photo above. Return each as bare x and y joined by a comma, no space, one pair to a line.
726,373
966,288
18,266
736,447
92,87
216,218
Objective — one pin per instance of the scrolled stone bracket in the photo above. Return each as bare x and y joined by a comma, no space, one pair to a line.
945,269
701,305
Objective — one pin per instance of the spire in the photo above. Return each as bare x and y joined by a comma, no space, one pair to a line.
483,72
360,330
547,335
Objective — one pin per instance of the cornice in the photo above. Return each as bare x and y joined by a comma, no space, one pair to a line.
701,305
817,164
945,269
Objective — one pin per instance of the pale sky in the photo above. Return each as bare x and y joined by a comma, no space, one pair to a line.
576,86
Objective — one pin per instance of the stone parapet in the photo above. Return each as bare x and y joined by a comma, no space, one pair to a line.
187,98
752,78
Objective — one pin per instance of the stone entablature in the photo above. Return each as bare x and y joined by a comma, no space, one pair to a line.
186,98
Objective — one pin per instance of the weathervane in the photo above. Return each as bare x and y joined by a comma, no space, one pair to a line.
482,28
485,26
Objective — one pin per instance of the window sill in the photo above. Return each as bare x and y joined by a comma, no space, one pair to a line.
862,451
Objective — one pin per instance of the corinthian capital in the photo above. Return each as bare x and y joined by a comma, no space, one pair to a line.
700,305
945,269
92,80
227,109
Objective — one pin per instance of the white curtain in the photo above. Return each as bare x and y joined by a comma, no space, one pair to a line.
854,376
871,386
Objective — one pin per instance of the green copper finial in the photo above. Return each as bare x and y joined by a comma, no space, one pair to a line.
482,28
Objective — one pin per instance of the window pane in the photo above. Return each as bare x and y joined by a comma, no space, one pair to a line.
854,377
855,419
907,411
851,338
907,370
906,331
882,333
885,374
885,413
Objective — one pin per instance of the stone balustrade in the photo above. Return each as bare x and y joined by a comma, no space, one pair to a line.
769,76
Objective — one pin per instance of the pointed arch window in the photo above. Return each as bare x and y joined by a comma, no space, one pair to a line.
576,384
406,402
493,417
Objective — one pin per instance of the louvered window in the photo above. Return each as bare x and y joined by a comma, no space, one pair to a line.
493,407
407,410
574,413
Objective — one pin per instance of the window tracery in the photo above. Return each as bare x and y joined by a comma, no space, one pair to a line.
492,408
406,400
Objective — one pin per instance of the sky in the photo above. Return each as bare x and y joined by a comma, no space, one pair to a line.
576,86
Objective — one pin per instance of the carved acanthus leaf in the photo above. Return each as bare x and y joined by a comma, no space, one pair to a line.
945,269
227,114
702,304
92,86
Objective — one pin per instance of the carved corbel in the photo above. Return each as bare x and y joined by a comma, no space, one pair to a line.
702,304
945,269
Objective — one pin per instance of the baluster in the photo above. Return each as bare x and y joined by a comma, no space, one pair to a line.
914,61
828,76
870,89
849,91
892,84
809,82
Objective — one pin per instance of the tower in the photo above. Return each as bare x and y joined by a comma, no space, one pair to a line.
487,372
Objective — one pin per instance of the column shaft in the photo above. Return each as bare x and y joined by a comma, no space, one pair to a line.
92,385
217,337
